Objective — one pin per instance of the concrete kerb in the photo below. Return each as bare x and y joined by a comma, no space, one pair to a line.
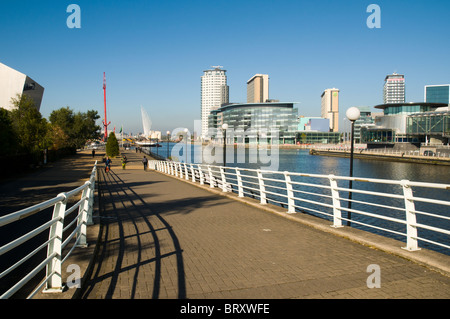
424,257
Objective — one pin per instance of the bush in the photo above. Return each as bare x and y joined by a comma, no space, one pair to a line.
112,146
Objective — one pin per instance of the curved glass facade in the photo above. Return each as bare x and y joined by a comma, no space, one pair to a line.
258,120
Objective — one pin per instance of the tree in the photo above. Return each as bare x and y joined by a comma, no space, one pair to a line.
28,124
112,146
78,127
8,138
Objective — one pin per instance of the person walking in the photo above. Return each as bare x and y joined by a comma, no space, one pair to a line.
145,162
124,162
108,164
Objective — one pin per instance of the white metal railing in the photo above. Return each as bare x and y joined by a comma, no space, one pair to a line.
55,244
380,205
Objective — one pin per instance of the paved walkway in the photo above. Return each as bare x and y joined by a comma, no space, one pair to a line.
163,238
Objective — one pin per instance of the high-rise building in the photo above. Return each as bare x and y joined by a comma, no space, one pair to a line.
258,89
394,89
437,93
214,93
330,108
13,82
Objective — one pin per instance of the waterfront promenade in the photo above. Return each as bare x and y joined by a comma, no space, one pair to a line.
164,238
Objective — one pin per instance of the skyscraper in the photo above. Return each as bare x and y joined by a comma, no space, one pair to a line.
394,88
330,108
214,93
437,93
258,89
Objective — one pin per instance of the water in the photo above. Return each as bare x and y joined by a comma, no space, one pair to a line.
299,160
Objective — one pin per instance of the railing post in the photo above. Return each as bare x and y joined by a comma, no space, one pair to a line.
239,181
211,181
192,172
224,180
186,174
262,187
172,164
411,229
82,216
91,198
337,217
290,193
200,173
53,268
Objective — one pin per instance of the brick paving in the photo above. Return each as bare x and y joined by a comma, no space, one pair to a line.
163,238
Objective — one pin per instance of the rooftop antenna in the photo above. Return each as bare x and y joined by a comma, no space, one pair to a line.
105,123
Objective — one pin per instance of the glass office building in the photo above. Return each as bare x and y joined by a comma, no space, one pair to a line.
407,123
437,93
429,123
274,122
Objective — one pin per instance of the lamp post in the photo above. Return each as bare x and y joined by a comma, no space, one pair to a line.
352,114
186,136
224,128
168,139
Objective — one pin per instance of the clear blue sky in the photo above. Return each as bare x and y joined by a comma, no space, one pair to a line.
154,52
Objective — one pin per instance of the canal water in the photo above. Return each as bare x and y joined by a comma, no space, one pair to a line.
300,161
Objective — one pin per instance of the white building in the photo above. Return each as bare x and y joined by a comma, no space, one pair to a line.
13,82
330,108
214,93
394,89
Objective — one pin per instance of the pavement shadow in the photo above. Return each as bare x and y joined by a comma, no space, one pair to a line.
119,204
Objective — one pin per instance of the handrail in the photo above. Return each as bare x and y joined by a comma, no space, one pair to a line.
386,206
54,259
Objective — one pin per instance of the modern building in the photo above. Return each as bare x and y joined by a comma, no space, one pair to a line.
214,93
313,124
258,89
13,82
394,89
330,108
251,122
400,123
365,119
432,127
437,93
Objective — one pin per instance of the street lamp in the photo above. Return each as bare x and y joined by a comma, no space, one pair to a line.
186,135
352,114
168,139
224,128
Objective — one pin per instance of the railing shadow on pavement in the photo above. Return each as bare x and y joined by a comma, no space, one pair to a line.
127,206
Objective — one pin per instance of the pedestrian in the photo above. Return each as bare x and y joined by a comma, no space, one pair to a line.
124,161
93,153
108,164
145,161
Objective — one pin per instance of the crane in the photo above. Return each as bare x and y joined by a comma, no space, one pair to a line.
105,124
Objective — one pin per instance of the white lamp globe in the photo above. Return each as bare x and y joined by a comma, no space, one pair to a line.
353,113
225,126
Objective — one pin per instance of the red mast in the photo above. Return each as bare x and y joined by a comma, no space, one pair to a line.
105,123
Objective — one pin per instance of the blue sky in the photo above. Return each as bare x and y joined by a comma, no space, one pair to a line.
154,52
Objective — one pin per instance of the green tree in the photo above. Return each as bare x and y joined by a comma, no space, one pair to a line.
112,146
28,124
78,127
8,138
